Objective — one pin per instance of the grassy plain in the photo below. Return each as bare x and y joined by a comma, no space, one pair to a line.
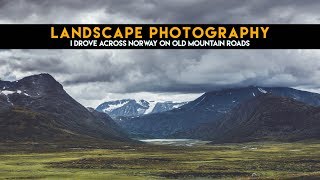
272,160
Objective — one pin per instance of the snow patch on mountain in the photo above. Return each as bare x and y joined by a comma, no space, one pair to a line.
152,104
262,90
6,92
178,105
115,106
140,110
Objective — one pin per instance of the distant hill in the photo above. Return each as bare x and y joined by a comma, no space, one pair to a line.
206,109
263,118
37,108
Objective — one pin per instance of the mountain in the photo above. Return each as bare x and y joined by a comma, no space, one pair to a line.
263,118
210,107
166,106
37,108
134,108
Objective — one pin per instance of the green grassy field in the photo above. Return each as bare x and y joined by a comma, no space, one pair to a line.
240,161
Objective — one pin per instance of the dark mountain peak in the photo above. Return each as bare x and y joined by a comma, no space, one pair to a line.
33,86
41,80
40,76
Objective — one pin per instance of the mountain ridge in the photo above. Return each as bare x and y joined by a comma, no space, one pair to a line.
207,108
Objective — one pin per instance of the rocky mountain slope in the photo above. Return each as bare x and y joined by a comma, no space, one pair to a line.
267,118
37,108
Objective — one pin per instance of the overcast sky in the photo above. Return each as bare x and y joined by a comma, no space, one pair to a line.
94,76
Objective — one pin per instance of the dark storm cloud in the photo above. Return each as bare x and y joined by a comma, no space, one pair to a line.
51,65
215,11
164,11
26,63
142,67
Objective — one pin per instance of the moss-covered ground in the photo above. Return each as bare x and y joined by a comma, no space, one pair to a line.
272,160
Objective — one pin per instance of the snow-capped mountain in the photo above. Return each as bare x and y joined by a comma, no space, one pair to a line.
134,108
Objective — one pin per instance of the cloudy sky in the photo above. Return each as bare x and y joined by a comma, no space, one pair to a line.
94,76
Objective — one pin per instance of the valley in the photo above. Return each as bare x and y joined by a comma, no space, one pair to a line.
272,160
